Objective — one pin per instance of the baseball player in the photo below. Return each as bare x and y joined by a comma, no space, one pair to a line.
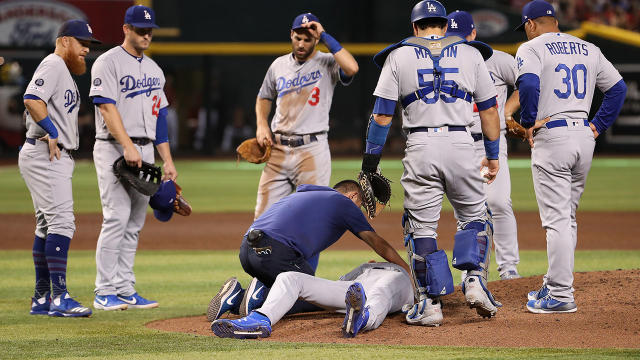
366,294
131,109
290,235
52,102
557,76
436,78
301,83
502,69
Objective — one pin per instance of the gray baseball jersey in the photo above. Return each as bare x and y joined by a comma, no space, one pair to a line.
471,75
135,85
53,84
502,69
569,69
302,92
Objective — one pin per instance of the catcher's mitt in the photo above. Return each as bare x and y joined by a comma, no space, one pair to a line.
516,130
145,179
180,205
253,152
377,192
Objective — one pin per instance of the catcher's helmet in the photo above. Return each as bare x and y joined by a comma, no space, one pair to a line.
428,9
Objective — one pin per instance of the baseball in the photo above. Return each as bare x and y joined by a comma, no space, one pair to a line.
483,172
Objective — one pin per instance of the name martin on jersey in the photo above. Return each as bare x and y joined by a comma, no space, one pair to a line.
285,86
147,84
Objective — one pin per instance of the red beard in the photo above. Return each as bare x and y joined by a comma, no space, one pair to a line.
76,64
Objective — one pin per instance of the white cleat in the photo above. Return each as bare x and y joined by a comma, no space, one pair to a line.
427,312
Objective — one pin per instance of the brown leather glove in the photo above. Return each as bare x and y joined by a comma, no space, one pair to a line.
253,152
516,130
180,205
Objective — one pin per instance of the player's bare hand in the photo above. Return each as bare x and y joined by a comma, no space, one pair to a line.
170,172
532,130
315,28
263,135
132,156
595,131
54,150
492,167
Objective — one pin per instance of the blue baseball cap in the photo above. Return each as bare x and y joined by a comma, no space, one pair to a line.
428,9
460,24
140,16
78,29
534,10
303,19
162,201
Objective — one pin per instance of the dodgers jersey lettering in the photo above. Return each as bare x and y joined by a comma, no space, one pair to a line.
568,68
409,68
502,69
302,92
53,84
135,86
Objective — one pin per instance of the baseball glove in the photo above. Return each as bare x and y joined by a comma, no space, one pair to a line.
145,179
253,152
516,130
180,205
377,191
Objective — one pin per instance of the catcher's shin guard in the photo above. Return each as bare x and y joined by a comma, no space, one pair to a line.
472,247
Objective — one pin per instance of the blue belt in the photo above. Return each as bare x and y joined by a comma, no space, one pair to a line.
426,129
452,91
476,136
298,140
561,122
32,141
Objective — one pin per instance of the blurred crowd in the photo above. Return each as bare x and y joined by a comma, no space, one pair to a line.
624,14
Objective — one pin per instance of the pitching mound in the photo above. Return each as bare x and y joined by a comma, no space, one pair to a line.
607,317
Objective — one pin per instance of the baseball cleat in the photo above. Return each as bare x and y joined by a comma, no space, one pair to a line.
227,299
65,306
426,312
136,301
549,305
538,294
41,305
254,297
253,326
108,303
509,275
357,314
479,297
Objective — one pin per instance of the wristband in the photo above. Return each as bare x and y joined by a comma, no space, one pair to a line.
48,126
370,162
333,44
492,148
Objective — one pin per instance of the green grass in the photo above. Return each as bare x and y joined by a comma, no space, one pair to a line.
222,186
184,282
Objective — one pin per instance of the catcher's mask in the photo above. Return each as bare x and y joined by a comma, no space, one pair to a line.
162,201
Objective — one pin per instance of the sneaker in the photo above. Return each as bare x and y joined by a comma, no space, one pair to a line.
479,297
136,301
227,299
253,326
357,314
109,302
509,275
64,305
254,297
427,312
41,305
549,305
538,294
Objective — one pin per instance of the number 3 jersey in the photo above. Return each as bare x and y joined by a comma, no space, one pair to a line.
134,85
569,69
302,92
409,68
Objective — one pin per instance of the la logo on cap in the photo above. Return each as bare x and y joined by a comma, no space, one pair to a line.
549,12
431,7
305,19
147,15
454,24
89,28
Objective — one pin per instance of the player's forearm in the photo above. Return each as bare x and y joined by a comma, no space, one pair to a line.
263,108
165,152
490,122
114,124
512,105
611,106
345,60
382,248
37,109
529,94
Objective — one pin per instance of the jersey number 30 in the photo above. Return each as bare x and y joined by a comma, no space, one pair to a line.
572,80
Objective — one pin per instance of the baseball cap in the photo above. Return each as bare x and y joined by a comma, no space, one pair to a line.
78,29
303,19
162,201
460,24
140,16
534,10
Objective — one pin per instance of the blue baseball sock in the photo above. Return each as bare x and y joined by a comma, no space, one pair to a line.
56,250
43,284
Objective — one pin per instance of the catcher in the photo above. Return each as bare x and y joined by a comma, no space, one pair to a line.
290,235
